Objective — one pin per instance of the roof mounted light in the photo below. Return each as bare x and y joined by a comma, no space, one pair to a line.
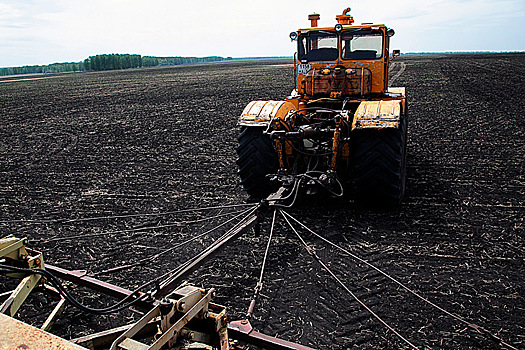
293,36
390,32
338,27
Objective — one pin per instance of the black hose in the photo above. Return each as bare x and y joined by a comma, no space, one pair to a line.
53,280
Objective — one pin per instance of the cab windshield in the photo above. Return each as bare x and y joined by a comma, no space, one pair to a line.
355,45
359,45
318,46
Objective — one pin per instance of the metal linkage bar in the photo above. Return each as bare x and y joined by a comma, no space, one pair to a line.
237,330
246,224
242,330
80,278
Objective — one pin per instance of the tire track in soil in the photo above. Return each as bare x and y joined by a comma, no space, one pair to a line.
395,71
484,92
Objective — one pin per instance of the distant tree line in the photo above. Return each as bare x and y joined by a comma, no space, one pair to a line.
112,61
50,68
108,62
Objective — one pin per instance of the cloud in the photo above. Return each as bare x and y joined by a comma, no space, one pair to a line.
8,12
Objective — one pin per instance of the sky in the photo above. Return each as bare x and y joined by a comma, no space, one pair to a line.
39,32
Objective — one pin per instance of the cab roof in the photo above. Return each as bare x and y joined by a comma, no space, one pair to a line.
348,27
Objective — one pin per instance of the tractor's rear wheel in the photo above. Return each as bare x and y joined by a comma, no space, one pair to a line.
379,165
256,158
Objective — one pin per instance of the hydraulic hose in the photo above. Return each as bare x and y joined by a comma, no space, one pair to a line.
54,281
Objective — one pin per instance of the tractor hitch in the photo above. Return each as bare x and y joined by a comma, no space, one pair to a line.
304,132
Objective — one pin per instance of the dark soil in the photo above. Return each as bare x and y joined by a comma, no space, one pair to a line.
158,140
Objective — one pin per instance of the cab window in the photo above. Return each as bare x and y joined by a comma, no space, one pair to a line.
359,45
318,46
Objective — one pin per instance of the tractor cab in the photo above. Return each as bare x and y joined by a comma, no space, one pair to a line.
342,61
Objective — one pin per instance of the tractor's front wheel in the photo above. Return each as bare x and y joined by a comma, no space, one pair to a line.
256,158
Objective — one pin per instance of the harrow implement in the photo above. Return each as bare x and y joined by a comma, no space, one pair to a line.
174,310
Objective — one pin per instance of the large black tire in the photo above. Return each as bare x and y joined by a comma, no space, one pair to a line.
380,165
256,159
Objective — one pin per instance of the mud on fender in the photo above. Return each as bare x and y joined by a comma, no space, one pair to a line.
259,113
378,114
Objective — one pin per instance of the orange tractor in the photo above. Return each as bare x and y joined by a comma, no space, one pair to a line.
342,128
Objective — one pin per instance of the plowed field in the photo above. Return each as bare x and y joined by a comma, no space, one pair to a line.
158,140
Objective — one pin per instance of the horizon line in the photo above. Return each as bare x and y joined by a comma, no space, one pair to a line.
280,57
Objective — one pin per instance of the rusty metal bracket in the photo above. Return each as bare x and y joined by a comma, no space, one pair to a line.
243,330
167,311
13,252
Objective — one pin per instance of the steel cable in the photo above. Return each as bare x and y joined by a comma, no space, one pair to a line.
476,328
123,216
122,304
170,274
155,256
139,229
314,255
294,192
259,285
